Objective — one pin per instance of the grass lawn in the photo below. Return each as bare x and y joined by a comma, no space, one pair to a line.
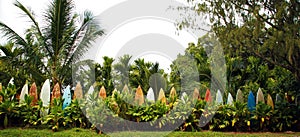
16,132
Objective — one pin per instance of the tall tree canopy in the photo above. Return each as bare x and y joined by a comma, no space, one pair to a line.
266,29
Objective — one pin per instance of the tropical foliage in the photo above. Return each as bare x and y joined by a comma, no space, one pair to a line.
261,50
48,51
104,114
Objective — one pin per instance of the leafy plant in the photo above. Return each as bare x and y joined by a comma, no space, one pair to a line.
74,114
222,119
97,112
241,116
56,117
29,113
263,115
9,106
285,115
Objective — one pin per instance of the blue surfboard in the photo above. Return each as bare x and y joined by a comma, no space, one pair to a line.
251,102
67,97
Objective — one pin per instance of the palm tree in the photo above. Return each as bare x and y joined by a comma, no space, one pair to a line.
103,75
63,39
121,71
141,73
13,63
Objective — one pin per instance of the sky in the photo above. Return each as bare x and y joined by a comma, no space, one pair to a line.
147,32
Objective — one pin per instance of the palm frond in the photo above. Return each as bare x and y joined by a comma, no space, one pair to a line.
7,49
30,15
60,24
38,32
88,32
11,34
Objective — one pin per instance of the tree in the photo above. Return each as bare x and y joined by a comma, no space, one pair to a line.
63,39
15,64
103,75
141,72
266,29
121,71
202,66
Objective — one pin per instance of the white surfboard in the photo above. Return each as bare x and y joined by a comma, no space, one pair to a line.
260,96
184,96
150,95
91,90
229,99
45,96
23,93
219,98
11,81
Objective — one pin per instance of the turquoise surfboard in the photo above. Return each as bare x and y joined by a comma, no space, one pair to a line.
67,97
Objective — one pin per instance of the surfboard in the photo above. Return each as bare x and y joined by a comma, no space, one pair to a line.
184,96
78,92
207,96
150,95
67,97
115,92
91,90
270,101
45,96
139,96
102,93
56,94
251,102
161,96
89,93
33,94
11,81
229,99
24,92
173,93
219,98
260,96
239,96
125,89
196,94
